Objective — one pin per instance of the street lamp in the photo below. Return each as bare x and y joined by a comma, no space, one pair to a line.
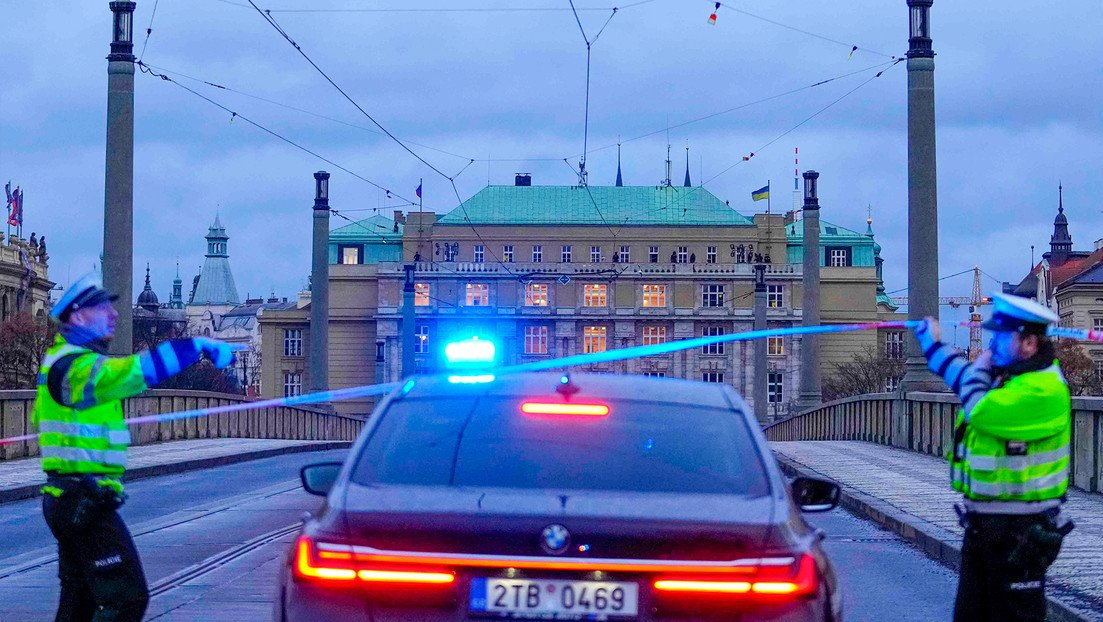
321,190
920,18
122,38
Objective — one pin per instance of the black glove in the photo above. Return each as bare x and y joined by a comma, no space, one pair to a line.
1039,546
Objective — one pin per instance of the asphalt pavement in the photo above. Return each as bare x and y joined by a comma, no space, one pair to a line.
191,528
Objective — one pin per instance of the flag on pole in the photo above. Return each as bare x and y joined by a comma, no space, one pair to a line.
712,17
418,191
15,205
762,193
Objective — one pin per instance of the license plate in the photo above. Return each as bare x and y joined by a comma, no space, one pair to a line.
555,599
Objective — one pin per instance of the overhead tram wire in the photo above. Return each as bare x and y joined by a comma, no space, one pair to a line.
451,180
941,278
234,115
453,9
149,29
804,32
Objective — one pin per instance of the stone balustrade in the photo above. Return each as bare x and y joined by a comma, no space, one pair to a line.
923,422
285,422
569,269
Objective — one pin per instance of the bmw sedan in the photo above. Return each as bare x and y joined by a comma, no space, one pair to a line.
552,497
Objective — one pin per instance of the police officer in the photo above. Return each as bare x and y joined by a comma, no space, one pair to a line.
83,439
1010,460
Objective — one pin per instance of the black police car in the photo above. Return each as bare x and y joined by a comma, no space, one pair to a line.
542,496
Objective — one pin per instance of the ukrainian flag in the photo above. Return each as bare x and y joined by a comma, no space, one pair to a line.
762,193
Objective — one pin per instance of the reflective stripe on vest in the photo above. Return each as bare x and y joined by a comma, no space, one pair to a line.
997,489
76,454
1016,463
86,430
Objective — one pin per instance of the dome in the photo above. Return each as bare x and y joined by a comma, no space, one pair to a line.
148,299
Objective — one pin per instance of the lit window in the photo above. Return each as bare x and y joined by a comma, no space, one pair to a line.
507,253
712,295
683,254
774,387
712,348
775,296
713,376
653,254
536,340
775,346
654,295
626,254
421,339
594,295
480,253
894,345
565,255
292,383
710,254
654,335
593,339
838,256
293,342
537,254
536,295
478,294
595,254
350,254
421,294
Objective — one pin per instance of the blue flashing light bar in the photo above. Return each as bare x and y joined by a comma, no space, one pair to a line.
468,351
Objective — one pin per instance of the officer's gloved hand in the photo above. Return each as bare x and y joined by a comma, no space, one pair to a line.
220,352
928,333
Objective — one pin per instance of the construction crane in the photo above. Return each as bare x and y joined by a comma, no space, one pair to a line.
974,302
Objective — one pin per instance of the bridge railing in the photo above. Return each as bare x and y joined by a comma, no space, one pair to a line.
284,422
923,422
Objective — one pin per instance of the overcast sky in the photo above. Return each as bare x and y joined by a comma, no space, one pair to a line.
1018,106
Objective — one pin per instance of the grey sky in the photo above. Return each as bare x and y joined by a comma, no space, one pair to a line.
1018,109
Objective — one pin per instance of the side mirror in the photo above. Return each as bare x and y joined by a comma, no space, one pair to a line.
318,478
815,495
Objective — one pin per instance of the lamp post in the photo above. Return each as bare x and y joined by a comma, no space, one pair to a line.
760,345
922,193
118,207
810,304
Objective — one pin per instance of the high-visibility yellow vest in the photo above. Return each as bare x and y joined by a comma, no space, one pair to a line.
86,431
1016,441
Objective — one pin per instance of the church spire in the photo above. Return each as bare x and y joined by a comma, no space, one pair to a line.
687,184
1060,243
620,180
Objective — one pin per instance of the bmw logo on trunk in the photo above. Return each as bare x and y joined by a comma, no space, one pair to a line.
555,539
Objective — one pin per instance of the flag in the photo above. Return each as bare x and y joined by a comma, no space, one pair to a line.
418,191
762,193
712,17
852,51
15,205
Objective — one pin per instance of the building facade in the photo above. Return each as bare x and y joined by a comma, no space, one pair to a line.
24,279
550,271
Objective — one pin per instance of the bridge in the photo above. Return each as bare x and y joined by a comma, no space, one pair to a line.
218,503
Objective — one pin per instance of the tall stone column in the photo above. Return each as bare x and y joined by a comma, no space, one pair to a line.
319,286
118,205
760,345
408,321
810,307
922,193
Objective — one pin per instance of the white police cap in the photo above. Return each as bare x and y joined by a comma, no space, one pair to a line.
1014,313
87,291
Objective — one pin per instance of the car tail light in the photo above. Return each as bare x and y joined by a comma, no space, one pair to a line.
564,408
336,563
797,579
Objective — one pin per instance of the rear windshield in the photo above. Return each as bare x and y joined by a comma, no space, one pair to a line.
488,442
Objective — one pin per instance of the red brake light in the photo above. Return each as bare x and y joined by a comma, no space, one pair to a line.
767,582
336,565
564,408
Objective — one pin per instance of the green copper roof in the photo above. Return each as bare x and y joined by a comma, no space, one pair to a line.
834,233
573,205
375,228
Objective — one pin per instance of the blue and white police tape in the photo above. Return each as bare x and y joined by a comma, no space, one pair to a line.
553,364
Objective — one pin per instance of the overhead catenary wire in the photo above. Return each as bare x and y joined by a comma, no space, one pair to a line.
451,179
149,29
469,9
802,31
144,68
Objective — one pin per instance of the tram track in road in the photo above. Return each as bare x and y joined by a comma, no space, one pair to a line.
37,559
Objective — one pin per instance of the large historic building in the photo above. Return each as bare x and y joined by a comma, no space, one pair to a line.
549,271
1070,282
24,280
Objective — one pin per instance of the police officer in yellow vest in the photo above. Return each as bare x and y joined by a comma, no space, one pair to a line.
84,438
1010,460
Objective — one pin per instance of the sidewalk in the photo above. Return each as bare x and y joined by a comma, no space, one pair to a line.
21,479
909,493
